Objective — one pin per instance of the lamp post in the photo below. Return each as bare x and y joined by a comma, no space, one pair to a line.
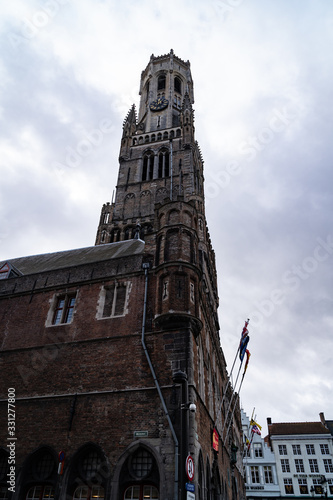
181,378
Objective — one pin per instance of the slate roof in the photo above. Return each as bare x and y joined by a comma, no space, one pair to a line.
58,260
291,428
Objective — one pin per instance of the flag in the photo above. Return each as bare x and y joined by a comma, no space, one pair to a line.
245,331
248,354
243,346
255,423
256,430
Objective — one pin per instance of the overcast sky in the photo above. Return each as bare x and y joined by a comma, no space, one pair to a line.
263,74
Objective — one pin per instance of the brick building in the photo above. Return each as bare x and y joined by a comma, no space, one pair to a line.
111,348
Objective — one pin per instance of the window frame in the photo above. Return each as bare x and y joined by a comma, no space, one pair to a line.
102,302
288,485
268,474
60,315
282,449
310,449
313,464
297,449
299,465
257,450
255,474
285,465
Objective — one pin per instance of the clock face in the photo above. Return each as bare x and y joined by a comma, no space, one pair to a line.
159,104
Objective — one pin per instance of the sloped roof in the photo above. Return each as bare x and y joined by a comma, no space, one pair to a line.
58,260
290,428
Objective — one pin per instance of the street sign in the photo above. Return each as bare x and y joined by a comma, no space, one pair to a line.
189,468
190,495
189,487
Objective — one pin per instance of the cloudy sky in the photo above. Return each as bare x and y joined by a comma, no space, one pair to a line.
263,74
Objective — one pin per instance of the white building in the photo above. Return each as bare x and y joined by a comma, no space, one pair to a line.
304,454
260,467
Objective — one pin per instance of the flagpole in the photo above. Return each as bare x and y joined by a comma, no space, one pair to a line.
233,411
232,397
229,378
239,389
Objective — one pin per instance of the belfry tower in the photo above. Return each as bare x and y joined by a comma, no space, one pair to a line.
160,199
112,352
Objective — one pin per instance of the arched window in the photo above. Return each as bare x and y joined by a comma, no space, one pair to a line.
88,475
163,163
148,166
178,84
161,82
40,474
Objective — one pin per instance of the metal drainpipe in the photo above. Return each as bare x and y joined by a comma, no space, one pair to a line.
145,266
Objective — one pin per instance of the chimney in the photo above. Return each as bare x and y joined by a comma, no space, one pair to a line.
322,418
269,421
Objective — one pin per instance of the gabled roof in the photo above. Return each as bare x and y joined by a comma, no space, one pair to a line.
291,428
58,260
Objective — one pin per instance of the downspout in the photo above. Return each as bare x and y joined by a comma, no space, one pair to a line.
146,267
171,170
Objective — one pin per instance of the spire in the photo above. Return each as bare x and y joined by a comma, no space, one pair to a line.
130,119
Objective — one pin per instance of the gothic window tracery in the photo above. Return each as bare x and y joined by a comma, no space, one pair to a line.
148,166
163,164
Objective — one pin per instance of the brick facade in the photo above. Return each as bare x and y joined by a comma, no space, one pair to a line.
91,377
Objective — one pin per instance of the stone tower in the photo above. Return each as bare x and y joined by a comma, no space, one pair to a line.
113,351
160,200
160,196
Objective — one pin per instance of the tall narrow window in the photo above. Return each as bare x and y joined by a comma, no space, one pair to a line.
161,82
310,449
115,300
178,85
148,167
255,478
163,163
268,474
63,312
299,465
282,449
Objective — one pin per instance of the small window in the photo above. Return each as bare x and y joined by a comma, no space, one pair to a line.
63,312
328,465
313,465
324,449
303,486
282,449
257,448
178,85
310,450
115,300
299,465
288,485
296,449
161,82
285,465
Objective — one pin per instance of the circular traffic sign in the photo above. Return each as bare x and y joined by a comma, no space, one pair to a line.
189,468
